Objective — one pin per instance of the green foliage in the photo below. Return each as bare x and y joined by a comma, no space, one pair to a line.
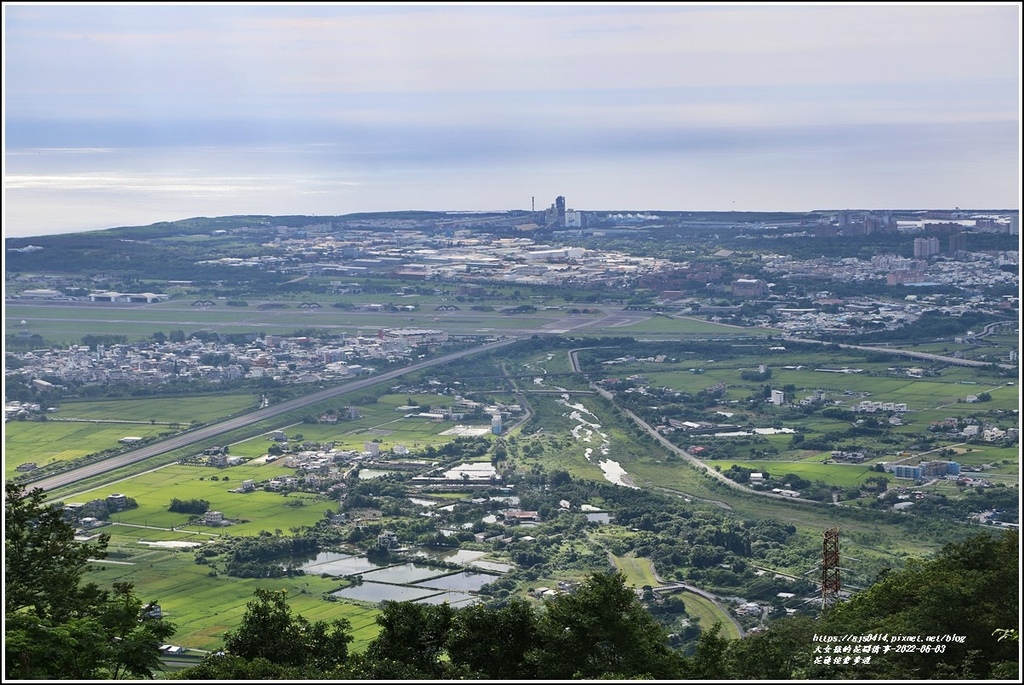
220,666
494,643
602,629
192,506
269,631
55,626
969,590
42,561
413,634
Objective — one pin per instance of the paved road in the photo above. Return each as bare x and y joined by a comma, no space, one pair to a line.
956,361
213,430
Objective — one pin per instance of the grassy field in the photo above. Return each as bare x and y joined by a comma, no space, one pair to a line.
204,607
686,326
48,442
254,511
840,475
165,410
638,571
100,424
707,614
380,421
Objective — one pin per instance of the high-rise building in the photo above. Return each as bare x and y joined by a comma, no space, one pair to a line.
925,247
957,243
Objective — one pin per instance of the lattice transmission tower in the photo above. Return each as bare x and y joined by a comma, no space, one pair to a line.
830,581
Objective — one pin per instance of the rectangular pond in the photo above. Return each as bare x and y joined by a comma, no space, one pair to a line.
404,573
455,599
338,564
379,592
466,580
497,566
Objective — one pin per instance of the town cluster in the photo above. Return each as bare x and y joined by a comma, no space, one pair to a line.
286,359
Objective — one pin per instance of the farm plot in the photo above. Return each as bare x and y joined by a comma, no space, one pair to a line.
167,410
380,421
638,570
255,511
840,475
205,606
49,442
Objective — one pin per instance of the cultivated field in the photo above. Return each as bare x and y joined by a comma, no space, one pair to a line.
49,442
205,606
253,511
163,410
380,421
88,427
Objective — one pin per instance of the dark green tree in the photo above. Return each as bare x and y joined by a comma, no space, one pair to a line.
414,635
269,631
600,631
55,625
494,643
776,654
42,560
709,661
969,589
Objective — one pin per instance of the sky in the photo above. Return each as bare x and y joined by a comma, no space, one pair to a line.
122,114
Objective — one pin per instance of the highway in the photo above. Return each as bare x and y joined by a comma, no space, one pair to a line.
905,353
213,430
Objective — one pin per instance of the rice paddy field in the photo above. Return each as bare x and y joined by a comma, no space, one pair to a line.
382,421
165,410
204,607
49,442
87,427
252,512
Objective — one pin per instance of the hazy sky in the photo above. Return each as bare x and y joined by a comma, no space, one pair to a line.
120,115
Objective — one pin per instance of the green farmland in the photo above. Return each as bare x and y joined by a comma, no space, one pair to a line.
639,572
163,410
254,511
839,475
379,421
81,428
49,442
205,606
